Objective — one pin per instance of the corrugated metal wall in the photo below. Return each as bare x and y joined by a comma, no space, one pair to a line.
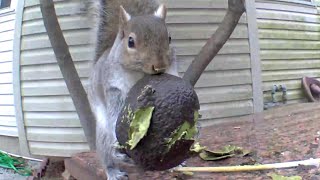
52,124
289,33
8,125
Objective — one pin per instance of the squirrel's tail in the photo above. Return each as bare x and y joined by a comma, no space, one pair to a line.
107,19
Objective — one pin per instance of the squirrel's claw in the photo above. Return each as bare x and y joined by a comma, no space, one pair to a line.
115,174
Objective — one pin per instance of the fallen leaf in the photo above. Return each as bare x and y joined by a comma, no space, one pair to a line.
226,152
188,173
197,148
207,156
279,177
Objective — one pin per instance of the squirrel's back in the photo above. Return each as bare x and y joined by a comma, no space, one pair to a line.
108,19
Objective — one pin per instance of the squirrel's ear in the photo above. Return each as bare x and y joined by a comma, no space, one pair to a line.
161,11
124,16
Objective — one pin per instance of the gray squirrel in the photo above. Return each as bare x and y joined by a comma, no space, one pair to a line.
131,40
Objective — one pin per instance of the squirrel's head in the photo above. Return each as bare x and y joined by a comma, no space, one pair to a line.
145,41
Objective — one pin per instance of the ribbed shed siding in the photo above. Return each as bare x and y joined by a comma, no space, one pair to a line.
225,88
8,125
52,124
289,33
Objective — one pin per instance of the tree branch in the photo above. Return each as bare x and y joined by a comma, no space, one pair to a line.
68,70
216,42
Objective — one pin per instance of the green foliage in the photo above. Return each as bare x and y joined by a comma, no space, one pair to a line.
225,152
186,131
197,148
279,177
139,126
17,164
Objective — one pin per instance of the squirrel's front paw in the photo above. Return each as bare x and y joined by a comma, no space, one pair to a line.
115,174
123,157
120,156
125,163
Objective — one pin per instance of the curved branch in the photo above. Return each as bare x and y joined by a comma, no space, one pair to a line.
68,70
216,42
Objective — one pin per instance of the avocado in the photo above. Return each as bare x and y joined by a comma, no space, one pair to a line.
158,122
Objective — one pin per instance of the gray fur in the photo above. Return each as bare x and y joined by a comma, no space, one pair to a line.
108,19
110,79
109,85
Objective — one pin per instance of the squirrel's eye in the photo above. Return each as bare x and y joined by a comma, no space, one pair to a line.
169,39
131,42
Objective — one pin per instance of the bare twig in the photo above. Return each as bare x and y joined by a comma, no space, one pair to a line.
309,162
216,42
68,70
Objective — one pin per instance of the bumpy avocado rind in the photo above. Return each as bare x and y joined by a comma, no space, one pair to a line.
166,142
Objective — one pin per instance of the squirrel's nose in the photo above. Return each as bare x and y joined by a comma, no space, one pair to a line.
159,69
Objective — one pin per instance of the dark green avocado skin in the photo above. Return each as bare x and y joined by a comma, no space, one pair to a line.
175,102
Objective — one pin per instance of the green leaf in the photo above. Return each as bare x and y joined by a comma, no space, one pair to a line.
245,152
188,173
207,156
196,116
197,147
139,126
229,149
185,131
225,152
279,177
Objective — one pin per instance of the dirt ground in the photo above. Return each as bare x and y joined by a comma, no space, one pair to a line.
286,134
54,169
